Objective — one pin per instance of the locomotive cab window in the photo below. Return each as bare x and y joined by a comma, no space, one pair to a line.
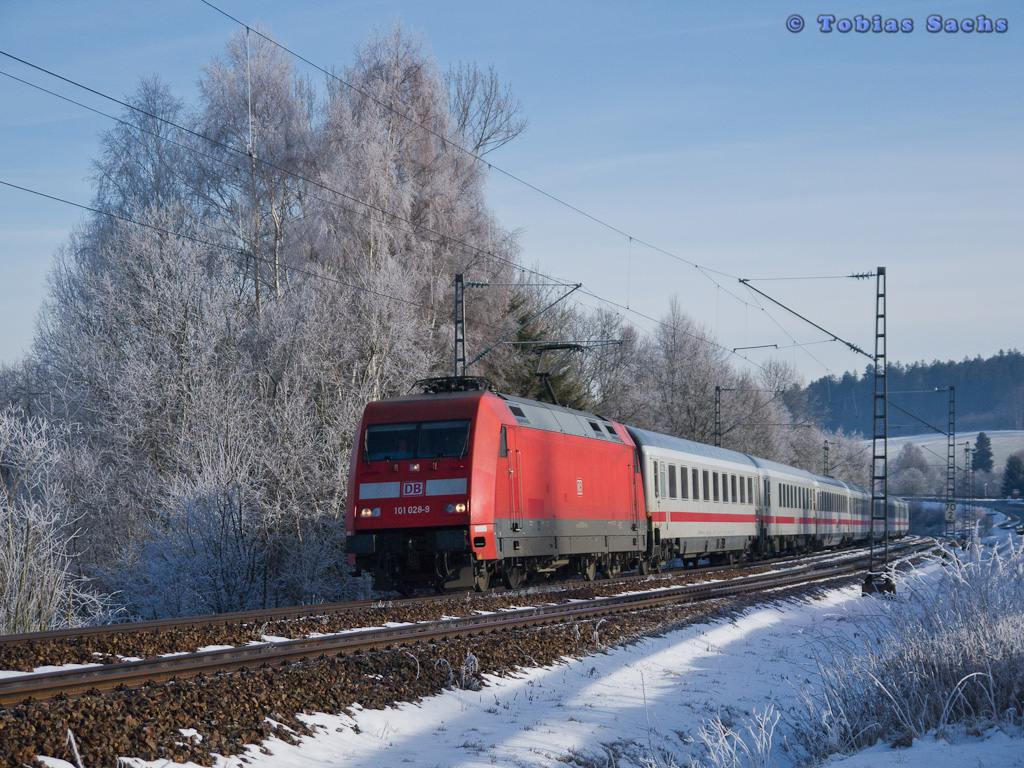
442,439
422,440
390,441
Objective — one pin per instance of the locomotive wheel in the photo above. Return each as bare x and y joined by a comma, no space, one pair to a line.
589,568
513,576
644,566
609,567
481,579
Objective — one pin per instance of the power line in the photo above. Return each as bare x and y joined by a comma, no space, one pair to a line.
297,176
417,228
669,326
198,152
852,346
455,145
795,344
201,241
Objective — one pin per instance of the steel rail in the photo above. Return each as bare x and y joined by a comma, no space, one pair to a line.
331,609
107,677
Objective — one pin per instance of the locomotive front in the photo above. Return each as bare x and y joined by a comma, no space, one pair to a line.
411,489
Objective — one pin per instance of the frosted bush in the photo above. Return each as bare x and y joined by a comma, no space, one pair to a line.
947,651
39,585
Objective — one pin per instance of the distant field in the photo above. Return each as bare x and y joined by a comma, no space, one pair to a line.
1004,442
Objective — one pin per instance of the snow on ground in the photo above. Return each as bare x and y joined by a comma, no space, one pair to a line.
639,705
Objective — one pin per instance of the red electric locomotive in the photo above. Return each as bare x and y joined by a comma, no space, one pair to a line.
456,488
459,485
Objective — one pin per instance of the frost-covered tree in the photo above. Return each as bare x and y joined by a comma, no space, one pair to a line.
910,472
40,586
249,169
283,261
485,111
143,159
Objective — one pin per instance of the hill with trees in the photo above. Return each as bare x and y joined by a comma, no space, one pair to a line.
989,395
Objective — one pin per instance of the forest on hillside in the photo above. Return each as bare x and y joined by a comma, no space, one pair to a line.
261,264
988,392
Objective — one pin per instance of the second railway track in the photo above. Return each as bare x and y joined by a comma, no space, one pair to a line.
108,677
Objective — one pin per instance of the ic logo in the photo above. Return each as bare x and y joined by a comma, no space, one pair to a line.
412,489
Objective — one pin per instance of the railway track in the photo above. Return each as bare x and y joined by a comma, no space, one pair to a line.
108,677
127,642
294,613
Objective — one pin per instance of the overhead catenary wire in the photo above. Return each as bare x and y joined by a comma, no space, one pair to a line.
458,147
235,150
418,229
201,241
850,345
795,345
704,270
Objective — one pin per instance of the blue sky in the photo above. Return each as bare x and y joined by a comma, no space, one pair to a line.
714,134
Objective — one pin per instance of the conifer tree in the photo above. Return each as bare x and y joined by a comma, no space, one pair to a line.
1013,475
982,454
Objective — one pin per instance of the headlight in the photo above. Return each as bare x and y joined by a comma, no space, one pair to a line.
459,508
367,512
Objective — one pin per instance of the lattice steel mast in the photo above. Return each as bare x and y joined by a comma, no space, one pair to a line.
876,580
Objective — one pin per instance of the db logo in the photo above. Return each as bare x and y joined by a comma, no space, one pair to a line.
412,489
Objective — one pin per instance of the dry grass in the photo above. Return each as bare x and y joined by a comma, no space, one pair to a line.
946,653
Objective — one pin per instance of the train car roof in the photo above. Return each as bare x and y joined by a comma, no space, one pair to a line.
642,437
528,413
558,418
801,473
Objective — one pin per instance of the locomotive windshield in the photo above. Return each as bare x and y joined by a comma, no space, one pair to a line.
418,440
